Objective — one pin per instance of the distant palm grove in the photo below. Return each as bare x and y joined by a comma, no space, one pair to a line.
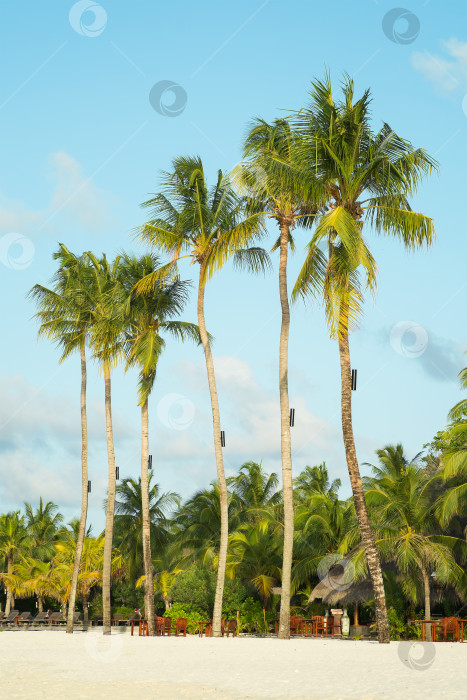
257,543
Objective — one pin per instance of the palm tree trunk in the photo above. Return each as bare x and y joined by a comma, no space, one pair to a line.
40,603
368,539
286,452
216,423
147,559
109,518
85,610
426,590
9,595
84,492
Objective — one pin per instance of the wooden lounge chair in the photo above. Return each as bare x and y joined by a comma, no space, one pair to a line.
180,625
56,618
98,620
2,615
117,618
24,618
40,619
11,619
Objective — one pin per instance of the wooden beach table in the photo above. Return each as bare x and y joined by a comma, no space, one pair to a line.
207,627
423,623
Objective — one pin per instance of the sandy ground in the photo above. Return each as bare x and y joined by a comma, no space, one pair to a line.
50,664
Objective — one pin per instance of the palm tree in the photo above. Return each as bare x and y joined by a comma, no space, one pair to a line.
43,526
314,480
148,316
403,504
129,514
64,317
106,304
209,224
14,540
254,490
277,189
365,178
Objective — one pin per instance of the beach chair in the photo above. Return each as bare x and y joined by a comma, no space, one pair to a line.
40,619
167,628
229,628
117,618
448,627
2,615
296,623
24,618
317,622
160,625
11,619
180,625
76,618
56,618
99,619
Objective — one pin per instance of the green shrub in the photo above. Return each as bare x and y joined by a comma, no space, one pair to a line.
192,614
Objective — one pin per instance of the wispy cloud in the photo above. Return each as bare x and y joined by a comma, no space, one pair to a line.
447,71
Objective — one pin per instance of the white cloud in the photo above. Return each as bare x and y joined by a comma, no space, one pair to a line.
447,72
75,201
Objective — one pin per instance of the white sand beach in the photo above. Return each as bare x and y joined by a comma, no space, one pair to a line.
50,664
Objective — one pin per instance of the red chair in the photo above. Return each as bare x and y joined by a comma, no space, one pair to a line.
317,622
296,624
160,625
229,628
180,625
449,626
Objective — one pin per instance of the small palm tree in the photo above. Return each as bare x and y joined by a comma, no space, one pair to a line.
210,226
64,316
366,178
403,504
254,490
14,541
43,526
314,480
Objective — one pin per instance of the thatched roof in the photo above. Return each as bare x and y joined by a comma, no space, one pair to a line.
339,586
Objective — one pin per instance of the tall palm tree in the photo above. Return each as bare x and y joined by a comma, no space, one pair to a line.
277,189
14,539
65,317
403,504
148,317
106,303
210,226
366,178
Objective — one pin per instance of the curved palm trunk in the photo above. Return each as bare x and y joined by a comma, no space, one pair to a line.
216,423
368,539
286,452
109,517
426,591
149,585
9,595
84,493
40,603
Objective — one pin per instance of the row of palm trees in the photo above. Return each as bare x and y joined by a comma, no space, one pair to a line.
322,169
423,550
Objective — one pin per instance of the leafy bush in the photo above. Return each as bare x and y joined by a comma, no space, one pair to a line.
252,617
124,610
196,586
192,614
398,629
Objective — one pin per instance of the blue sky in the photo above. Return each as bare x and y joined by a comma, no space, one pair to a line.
81,148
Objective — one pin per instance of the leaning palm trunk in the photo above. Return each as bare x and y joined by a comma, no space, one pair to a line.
149,585
368,540
109,518
426,590
286,453
216,422
9,595
84,493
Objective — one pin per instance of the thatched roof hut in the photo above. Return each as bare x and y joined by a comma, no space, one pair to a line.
339,586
